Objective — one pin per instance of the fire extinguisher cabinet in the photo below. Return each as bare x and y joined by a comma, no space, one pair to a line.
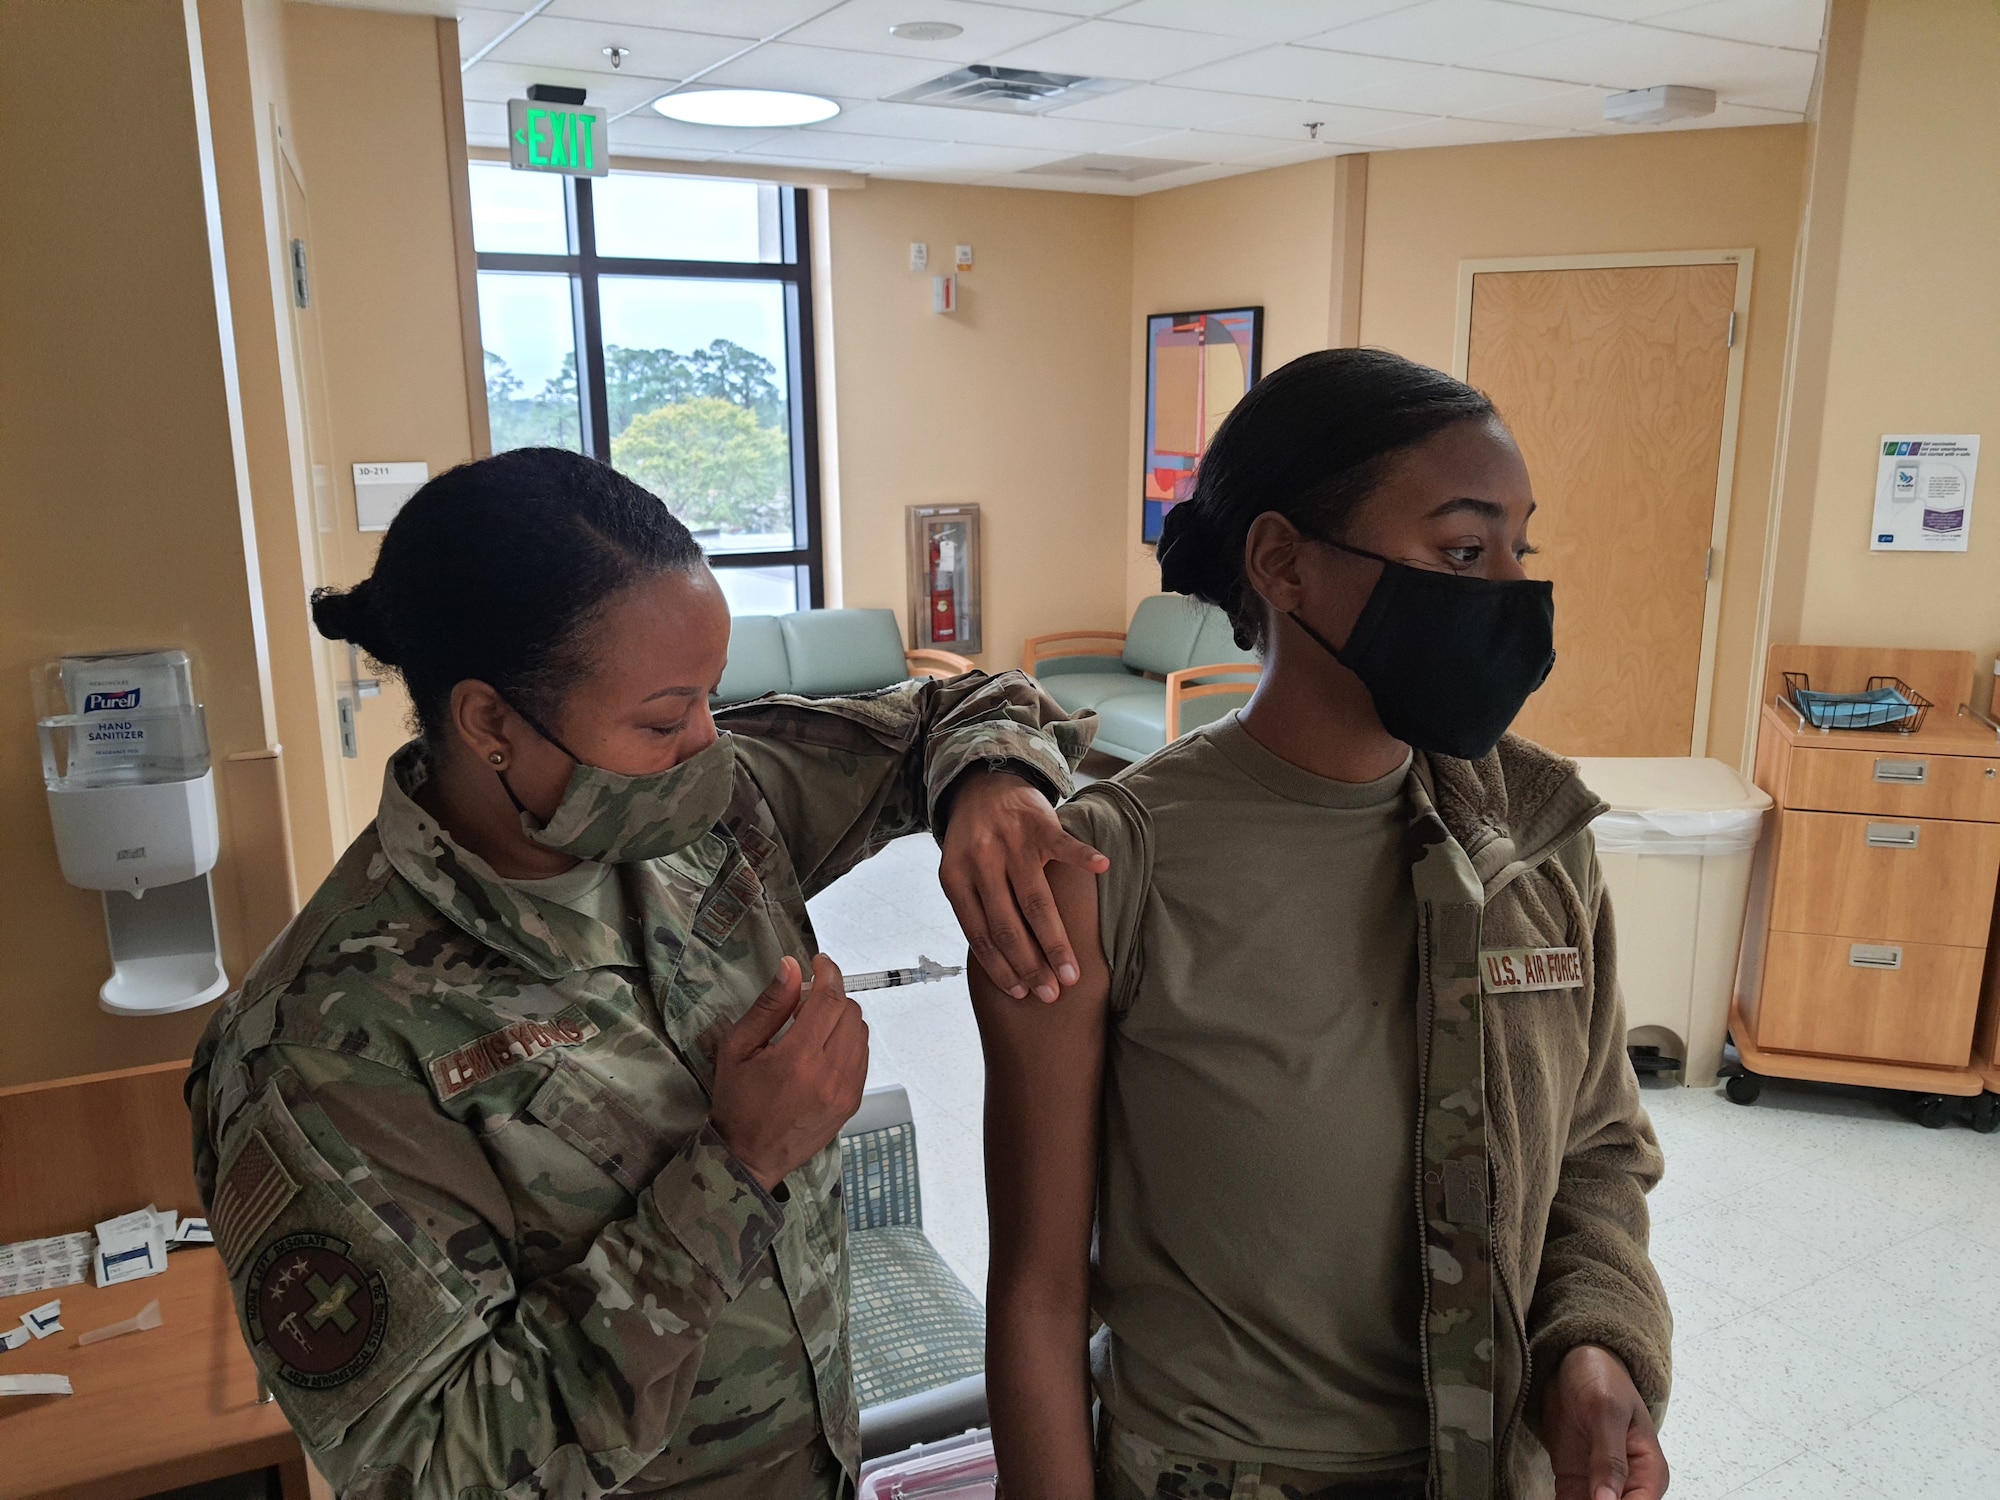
944,578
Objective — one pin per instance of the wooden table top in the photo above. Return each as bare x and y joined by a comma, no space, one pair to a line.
171,1406
1943,734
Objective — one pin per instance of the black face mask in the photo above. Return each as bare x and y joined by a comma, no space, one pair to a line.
1449,660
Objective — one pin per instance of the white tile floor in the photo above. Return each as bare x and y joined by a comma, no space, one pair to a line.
1834,1268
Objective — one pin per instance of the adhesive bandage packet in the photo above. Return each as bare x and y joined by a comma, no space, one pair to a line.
130,1246
43,1265
44,1320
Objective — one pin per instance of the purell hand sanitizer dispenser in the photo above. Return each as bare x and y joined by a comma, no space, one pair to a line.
125,759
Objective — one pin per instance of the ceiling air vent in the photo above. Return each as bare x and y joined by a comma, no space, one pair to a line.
1009,90
1110,168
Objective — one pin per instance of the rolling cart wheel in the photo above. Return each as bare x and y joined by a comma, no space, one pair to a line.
1743,1088
1934,1111
1986,1113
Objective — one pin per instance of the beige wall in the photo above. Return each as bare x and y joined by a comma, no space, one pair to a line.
1672,190
1017,401
368,125
1913,323
118,479
1265,239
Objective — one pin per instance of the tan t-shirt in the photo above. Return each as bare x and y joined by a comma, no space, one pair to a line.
1257,1232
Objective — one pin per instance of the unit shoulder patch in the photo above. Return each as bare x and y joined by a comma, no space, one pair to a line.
316,1312
478,1060
1505,971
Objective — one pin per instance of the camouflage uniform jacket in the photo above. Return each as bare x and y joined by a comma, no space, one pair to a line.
482,1239
1534,1151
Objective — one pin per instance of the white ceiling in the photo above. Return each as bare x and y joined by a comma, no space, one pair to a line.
1229,85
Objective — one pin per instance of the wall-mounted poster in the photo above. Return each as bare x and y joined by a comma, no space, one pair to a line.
1198,365
1923,492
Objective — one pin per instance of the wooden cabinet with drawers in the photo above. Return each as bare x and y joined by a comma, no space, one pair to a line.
1873,904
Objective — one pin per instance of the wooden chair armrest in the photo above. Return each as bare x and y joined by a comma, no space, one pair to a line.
1109,643
1181,685
923,661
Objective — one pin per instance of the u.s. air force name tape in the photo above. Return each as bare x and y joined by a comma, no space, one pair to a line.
1505,971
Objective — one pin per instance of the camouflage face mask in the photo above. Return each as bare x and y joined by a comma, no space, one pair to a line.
625,819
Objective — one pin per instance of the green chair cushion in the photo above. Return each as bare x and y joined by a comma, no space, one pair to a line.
914,1326
757,662
1077,691
1162,634
843,650
1134,723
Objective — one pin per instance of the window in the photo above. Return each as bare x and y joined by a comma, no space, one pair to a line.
664,325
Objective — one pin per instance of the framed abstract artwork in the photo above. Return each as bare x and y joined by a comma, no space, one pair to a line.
1198,365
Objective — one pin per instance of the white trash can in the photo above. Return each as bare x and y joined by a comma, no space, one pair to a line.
1676,847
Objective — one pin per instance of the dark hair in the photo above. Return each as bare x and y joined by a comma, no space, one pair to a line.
496,570
1309,441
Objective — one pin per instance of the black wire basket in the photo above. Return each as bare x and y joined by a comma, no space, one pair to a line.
1876,706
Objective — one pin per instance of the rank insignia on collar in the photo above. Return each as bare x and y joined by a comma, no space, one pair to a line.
318,1316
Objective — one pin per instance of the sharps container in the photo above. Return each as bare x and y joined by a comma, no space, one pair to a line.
1676,847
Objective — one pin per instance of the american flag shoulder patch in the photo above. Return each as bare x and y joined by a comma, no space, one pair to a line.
478,1060
248,1198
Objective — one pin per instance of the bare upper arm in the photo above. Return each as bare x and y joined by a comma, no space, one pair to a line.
1044,1078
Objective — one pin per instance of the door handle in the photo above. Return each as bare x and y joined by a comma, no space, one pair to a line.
1874,956
1902,772
1893,835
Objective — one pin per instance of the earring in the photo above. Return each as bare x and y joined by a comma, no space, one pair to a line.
497,758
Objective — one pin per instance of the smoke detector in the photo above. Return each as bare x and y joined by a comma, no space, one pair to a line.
1670,101
1009,90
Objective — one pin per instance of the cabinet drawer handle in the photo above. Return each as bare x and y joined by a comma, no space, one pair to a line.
1874,956
1902,772
1893,835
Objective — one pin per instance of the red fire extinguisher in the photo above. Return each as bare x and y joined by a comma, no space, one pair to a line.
944,606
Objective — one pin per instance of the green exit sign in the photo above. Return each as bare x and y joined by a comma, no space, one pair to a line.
565,138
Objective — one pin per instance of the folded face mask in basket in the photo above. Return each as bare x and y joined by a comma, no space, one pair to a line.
1869,710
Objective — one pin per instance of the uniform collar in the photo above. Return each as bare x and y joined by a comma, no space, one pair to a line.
465,888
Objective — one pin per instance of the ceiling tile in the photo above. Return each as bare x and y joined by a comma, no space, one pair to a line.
1639,57
1289,73
863,25
478,27
548,41
984,127
1079,8
1262,21
1113,49
485,124
1209,145
613,92
1446,132
653,134
965,158
1571,109
1775,23
835,150
1161,106
825,70
1727,116
1456,91
747,19
1337,122
1612,10
1456,31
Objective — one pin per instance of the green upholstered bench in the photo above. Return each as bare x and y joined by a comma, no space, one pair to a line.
917,1336
823,651
1178,667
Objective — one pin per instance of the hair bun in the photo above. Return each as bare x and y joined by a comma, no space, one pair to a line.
351,615
1183,550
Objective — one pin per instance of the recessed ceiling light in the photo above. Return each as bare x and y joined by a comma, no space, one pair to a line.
926,31
746,108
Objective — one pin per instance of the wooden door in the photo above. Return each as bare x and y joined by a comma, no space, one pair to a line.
1614,381
369,716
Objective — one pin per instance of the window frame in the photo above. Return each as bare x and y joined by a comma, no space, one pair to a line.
792,271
